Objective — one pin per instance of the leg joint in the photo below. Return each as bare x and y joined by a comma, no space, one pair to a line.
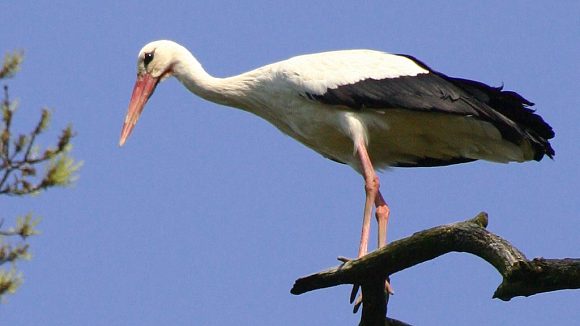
372,184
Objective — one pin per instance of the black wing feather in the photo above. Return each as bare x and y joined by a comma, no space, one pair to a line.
435,92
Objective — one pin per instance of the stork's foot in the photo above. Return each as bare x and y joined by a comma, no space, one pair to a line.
357,300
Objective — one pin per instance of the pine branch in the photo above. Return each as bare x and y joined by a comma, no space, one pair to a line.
19,160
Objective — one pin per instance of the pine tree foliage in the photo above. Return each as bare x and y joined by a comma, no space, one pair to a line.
26,170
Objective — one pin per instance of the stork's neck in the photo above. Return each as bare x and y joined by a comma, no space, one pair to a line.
231,91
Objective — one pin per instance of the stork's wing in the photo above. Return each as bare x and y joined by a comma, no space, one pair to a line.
435,92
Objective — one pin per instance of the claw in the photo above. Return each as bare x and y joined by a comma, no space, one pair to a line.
354,292
357,304
389,288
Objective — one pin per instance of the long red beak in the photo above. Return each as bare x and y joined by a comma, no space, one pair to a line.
144,87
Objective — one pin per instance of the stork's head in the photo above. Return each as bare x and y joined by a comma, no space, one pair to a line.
155,63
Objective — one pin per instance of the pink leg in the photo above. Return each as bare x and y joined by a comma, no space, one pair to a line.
382,215
371,190
373,197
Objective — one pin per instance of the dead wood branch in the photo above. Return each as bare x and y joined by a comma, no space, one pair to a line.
521,277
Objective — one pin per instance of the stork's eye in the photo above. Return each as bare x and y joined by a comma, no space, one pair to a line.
148,58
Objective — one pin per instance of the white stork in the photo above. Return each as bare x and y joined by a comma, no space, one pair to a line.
364,108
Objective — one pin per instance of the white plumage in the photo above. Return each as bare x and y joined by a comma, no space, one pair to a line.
315,73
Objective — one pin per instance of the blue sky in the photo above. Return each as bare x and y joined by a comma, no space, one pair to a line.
209,214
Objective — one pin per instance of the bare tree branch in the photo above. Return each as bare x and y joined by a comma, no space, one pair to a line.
521,277
540,275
